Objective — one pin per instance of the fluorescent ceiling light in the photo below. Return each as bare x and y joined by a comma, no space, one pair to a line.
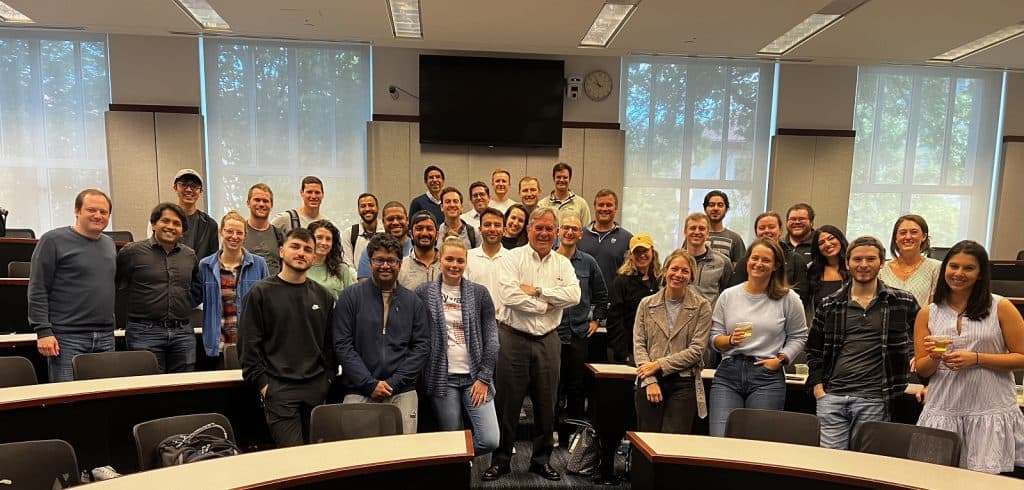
978,45
10,15
607,24
811,26
405,19
203,14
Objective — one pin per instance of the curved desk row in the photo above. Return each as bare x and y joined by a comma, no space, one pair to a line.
742,463
429,460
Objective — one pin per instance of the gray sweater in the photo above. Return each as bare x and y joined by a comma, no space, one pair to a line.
71,287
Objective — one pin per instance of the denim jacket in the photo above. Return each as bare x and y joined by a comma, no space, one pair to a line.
206,291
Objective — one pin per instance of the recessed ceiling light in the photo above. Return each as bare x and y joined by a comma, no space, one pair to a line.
811,26
203,14
405,19
978,45
608,23
10,15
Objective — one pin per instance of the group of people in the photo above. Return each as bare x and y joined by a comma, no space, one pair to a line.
476,309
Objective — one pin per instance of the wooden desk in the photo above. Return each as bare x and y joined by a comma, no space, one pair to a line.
96,416
741,463
428,460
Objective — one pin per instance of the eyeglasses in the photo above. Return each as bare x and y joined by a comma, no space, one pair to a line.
574,229
190,186
797,220
379,261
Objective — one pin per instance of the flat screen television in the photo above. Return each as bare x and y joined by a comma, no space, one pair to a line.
491,101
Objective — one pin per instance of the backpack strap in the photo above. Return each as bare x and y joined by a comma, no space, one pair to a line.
471,234
354,236
294,215
278,235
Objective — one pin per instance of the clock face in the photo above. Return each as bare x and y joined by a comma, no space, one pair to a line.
598,85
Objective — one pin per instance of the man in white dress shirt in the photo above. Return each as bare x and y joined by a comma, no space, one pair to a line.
535,286
482,263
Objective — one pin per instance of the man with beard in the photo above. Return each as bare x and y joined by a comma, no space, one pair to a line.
720,238
433,178
480,198
312,194
501,179
800,225
355,238
200,229
395,223
482,262
604,239
859,347
422,264
529,193
156,276
536,284
382,335
563,200
262,238
284,341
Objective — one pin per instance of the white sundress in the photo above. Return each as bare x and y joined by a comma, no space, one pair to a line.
978,403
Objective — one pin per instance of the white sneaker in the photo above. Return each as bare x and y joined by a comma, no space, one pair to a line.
104,473
554,436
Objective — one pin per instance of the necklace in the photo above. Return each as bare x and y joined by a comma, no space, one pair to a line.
905,271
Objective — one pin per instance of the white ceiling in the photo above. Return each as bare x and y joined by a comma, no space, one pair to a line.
881,31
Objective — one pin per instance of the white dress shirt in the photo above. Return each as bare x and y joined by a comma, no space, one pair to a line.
555,277
483,269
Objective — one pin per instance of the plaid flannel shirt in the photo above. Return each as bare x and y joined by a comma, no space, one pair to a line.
828,334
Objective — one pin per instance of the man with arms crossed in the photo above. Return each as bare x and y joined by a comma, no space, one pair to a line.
284,341
859,346
536,285
71,287
500,181
312,194
262,238
720,238
355,237
382,335
156,275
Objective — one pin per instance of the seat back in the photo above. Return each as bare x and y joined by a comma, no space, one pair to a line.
16,371
149,435
19,269
114,364
774,426
20,233
120,235
39,464
229,357
344,421
938,253
908,442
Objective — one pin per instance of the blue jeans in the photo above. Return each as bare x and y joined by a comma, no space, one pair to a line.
72,344
841,415
174,347
484,419
739,383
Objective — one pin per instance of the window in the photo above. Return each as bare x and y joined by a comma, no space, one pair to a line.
54,91
926,141
278,111
693,126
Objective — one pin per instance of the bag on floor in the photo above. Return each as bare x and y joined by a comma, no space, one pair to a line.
197,446
584,449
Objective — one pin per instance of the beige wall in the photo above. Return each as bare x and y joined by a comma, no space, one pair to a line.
400,67
816,97
152,70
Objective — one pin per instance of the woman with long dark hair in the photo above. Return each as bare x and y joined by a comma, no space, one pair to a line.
516,219
639,277
827,271
969,341
329,270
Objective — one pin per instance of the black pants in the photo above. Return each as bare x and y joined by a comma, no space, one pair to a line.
573,376
674,415
526,365
287,406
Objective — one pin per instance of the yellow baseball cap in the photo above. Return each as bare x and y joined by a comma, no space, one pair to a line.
641,240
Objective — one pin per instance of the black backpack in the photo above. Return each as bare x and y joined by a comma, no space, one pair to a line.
3,222
197,446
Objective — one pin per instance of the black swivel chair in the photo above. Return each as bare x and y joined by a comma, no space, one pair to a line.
114,364
149,435
19,269
20,233
344,421
120,235
16,371
906,441
938,253
774,426
45,464
1020,255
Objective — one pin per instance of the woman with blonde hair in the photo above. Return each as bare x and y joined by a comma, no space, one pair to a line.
669,340
638,278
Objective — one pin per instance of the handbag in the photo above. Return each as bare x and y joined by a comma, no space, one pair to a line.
584,449
196,446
